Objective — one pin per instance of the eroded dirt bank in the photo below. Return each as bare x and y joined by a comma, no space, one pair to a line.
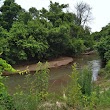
52,64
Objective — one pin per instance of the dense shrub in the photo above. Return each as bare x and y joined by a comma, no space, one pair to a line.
6,101
85,81
39,35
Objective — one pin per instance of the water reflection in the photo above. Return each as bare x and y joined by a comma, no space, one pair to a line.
59,77
95,67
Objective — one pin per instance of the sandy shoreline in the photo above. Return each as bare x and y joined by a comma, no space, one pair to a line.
52,64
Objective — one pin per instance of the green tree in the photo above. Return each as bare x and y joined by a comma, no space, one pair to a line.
55,14
9,11
23,45
24,17
104,48
34,12
41,34
3,40
58,38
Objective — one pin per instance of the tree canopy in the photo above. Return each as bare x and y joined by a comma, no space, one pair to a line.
40,34
103,45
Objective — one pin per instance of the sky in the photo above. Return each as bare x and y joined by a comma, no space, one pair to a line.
100,9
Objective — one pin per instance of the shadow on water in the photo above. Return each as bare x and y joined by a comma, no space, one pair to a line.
59,77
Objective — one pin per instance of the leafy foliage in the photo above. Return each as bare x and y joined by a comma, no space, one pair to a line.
37,96
85,81
74,90
36,91
6,101
104,47
80,93
102,39
40,34
3,40
9,12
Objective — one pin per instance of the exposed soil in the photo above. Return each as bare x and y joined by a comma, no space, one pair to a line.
89,52
52,64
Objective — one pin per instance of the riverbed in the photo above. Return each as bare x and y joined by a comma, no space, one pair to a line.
59,77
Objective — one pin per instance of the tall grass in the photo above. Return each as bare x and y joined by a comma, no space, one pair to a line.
36,91
80,94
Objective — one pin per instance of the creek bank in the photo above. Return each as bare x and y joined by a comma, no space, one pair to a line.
52,64
61,61
89,52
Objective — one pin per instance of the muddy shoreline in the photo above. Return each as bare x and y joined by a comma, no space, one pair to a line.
32,67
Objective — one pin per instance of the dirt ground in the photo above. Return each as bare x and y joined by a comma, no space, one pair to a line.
52,64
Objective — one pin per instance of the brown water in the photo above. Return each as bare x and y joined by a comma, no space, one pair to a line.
59,77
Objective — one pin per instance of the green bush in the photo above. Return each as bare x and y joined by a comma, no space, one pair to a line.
85,80
80,92
36,91
107,67
6,101
74,95
104,100
105,72
102,73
